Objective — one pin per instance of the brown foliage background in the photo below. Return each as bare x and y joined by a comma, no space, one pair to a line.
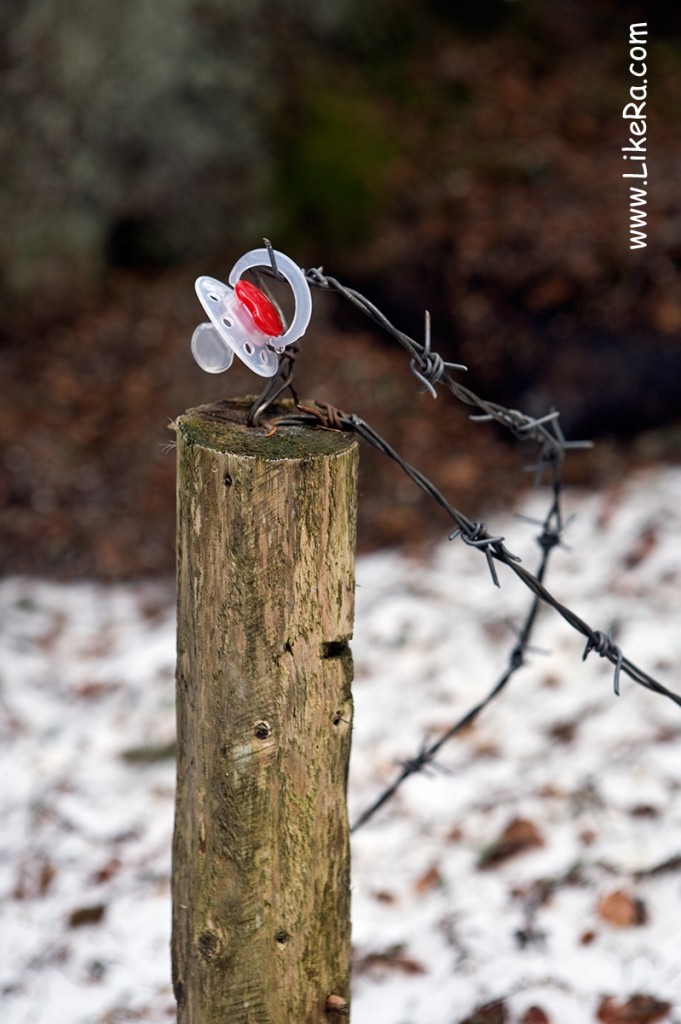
466,161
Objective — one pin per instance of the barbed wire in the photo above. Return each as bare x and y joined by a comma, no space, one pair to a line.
476,535
432,369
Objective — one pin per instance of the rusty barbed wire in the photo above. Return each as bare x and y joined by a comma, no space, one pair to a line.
431,369
475,534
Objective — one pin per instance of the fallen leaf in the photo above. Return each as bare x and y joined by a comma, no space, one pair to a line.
95,690
489,1013
621,909
535,1015
431,879
393,958
86,915
644,811
518,836
640,1009
563,732
35,880
383,896
641,548
47,873
107,871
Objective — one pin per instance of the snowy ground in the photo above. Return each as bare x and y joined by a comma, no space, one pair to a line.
541,870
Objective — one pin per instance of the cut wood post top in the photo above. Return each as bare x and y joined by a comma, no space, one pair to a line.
222,426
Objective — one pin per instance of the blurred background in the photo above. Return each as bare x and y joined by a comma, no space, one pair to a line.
461,157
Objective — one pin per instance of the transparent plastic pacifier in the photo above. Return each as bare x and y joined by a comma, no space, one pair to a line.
244,321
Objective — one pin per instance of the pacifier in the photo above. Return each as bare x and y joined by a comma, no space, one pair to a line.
243,320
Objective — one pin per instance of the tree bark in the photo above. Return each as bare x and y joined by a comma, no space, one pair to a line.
261,867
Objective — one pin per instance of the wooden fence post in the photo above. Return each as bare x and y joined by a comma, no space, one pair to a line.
261,867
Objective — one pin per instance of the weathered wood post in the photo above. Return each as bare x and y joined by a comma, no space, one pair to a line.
261,868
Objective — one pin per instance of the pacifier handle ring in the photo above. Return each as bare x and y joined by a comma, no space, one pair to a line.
295,278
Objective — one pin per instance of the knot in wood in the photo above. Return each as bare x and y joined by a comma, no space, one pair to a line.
208,945
262,730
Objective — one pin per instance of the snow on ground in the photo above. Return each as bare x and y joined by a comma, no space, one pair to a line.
541,867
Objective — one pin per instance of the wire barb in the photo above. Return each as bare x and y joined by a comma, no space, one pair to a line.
478,537
429,366
603,645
